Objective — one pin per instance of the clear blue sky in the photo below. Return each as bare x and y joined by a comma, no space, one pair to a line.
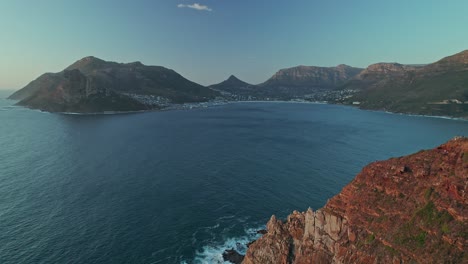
251,39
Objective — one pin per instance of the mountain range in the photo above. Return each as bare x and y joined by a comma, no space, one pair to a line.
95,85
291,82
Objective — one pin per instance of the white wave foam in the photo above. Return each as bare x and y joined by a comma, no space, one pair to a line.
213,254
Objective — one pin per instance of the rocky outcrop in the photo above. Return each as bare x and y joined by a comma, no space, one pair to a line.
386,68
411,209
378,71
232,256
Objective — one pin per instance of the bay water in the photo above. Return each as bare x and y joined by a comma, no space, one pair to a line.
181,186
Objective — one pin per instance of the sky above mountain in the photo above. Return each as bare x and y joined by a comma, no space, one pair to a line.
208,40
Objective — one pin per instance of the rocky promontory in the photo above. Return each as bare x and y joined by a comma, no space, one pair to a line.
93,85
411,209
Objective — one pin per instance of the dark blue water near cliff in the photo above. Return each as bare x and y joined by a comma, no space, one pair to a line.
180,186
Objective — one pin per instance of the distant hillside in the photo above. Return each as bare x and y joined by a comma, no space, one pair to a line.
235,86
302,80
440,88
95,85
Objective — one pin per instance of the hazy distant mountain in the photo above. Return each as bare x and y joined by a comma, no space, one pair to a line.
302,80
234,85
95,85
439,88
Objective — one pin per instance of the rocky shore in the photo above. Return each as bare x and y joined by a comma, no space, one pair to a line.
410,209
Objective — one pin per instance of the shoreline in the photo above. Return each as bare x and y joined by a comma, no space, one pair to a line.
357,107
102,113
410,114
191,106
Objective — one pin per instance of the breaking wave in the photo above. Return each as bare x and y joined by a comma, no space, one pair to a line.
213,253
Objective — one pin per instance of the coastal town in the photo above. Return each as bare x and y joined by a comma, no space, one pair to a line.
163,103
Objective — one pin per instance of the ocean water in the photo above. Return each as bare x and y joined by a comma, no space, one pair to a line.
181,186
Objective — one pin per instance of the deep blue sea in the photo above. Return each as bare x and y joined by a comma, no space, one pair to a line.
181,186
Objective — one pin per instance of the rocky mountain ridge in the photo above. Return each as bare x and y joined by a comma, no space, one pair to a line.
385,70
303,80
412,209
313,76
439,88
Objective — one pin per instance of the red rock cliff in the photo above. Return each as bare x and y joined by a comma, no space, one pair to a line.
403,210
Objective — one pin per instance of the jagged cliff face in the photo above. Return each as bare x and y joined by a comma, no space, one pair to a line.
403,210
311,76
303,80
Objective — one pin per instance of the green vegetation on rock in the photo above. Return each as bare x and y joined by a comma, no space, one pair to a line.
439,89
